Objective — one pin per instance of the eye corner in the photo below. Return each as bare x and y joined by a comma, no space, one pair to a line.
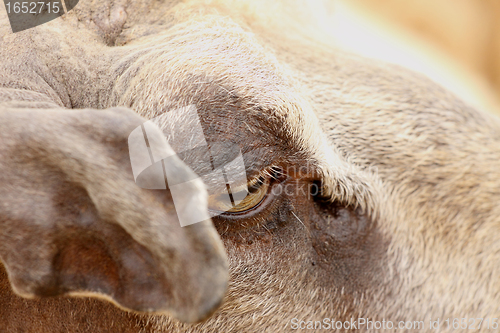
318,192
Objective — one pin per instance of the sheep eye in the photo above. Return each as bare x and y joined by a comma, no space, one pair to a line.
243,200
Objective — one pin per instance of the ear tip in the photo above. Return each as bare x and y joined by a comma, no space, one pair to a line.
189,314
204,296
196,314
190,296
193,305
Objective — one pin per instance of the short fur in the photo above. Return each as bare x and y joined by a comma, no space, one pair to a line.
404,228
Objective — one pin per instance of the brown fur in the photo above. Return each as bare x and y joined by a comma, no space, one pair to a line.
405,229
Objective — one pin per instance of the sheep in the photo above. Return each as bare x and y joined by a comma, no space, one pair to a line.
372,192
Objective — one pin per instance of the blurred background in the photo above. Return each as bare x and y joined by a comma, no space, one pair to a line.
455,42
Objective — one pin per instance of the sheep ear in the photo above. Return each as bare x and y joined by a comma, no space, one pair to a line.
73,222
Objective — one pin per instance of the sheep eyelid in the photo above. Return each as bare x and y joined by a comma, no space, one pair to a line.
269,177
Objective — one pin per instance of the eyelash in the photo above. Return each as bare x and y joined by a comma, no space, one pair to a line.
273,175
